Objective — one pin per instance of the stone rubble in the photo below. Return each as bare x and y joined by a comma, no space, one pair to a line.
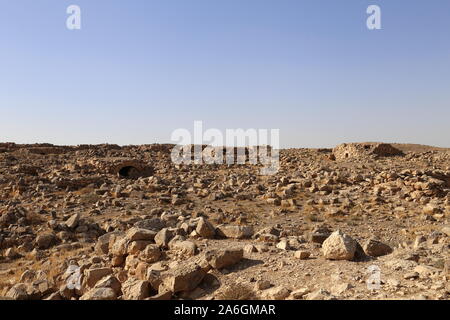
124,223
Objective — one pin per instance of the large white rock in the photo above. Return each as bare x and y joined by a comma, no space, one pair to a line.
339,246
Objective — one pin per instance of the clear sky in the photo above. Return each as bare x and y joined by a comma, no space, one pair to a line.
139,69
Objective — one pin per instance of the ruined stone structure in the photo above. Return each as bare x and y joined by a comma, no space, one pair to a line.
368,149
123,167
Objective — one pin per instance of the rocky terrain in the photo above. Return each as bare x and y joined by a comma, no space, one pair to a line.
361,221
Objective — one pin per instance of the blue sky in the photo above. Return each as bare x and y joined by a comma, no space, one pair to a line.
139,69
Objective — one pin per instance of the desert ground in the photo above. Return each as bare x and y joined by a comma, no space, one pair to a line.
105,222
